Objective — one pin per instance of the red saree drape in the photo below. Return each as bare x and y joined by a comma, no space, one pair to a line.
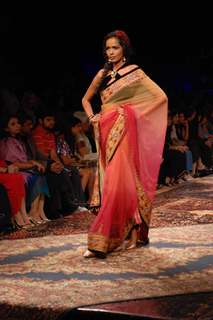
130,138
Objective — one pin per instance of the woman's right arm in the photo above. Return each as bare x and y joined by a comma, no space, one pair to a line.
91,91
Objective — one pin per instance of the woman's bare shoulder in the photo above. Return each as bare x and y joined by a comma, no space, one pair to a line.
98,76
100,73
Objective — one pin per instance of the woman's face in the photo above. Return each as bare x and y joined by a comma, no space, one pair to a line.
13,127
114,50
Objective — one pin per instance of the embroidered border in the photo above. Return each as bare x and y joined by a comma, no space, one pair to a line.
115,136
144,204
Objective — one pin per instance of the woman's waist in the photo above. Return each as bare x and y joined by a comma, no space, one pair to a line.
108,107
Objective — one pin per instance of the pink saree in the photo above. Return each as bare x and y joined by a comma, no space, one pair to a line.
130,138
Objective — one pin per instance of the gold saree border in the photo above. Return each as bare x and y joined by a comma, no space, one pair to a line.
101,243
144,203
114,137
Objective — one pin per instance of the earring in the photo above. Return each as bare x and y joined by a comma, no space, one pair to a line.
124,59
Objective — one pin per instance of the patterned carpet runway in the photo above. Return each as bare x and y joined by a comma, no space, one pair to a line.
45,272
41,271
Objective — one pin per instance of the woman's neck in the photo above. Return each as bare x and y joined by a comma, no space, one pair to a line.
118,65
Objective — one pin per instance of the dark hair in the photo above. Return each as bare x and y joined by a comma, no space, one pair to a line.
127,51
4,121
68,135
73,121
44,112
23,117
123,40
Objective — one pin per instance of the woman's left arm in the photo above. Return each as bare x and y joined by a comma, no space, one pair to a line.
91,91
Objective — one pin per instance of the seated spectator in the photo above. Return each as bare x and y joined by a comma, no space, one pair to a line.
86,168
82,143
173,165
12,151
196,145
87,130
179,138
14,184
207,140
45,141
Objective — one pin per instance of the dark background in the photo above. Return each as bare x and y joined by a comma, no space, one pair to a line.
61,48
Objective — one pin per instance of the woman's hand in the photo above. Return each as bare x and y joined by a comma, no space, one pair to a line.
95,118
40,167
11,168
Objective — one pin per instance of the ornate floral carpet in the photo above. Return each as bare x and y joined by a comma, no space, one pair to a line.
50,272
186,204
43,273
